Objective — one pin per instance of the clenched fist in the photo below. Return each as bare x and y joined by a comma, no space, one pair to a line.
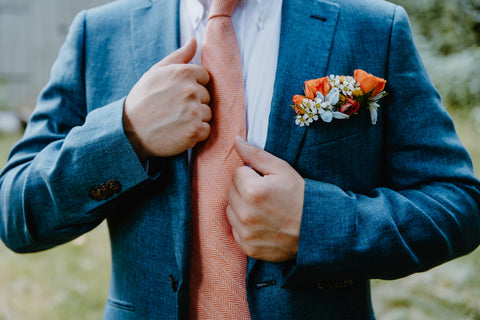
167,111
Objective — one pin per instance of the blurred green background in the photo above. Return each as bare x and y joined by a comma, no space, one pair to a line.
71,281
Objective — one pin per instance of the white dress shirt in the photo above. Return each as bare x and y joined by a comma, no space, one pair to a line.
257,26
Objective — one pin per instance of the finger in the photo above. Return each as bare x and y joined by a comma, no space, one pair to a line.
202,75
232,217
204,95
238,240
233,198
203,131
206,112
244,177
260,160
249,186
182,55
236,225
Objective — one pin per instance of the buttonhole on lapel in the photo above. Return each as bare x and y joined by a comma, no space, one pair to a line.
323,19
265,284
173,282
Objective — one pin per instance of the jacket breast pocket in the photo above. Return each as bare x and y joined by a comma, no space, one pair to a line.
347,153
321,132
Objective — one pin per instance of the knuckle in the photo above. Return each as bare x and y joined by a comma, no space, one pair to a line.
197,131
248,219
208,112
193,112
250,251
206,95
186,94
192,132
237,238
191,93
254,194
205,132
182,71
250,237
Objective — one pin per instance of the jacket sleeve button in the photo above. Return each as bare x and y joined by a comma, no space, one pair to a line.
105,190
115,186
95,194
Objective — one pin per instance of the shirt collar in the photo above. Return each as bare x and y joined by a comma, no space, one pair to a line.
198,9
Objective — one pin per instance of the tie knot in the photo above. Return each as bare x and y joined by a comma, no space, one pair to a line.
222,8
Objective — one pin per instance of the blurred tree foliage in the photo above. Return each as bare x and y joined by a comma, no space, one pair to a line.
448,35
450,25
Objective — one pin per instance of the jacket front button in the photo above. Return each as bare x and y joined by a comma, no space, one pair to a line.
173,282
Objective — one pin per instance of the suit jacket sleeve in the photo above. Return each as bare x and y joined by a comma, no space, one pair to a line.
63,155
427,210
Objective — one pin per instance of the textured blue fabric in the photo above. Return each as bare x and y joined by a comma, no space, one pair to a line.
381,201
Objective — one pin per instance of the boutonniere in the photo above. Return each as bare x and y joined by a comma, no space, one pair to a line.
338,97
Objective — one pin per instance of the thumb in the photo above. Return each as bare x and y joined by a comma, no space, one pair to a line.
182,55
260,160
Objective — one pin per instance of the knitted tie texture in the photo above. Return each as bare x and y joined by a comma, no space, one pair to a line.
218,266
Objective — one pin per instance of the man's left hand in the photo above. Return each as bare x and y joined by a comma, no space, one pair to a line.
265,205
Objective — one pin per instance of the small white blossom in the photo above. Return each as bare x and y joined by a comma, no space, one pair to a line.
307,118
326,115
312,116
299,121
332,97
346,84
372,107
307,103
339,115
378,96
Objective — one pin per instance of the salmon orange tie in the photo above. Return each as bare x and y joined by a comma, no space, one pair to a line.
218,266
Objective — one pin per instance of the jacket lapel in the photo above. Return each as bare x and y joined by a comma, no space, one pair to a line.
305,41
180,208
153,25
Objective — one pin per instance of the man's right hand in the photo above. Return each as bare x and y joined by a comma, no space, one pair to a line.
167,110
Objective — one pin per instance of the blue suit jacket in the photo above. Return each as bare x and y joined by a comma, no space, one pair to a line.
381,201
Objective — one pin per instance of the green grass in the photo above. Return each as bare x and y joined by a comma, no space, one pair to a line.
6,142
68,282
71,281
450,291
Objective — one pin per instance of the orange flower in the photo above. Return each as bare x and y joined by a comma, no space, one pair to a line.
369,82
312,86
298,99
